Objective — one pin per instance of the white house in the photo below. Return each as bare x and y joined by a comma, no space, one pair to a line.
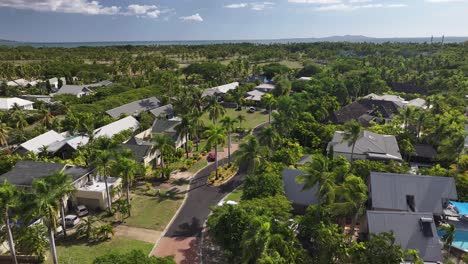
7,103
76,90
116,127
37,144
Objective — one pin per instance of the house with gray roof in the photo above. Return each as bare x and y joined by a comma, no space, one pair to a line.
134,108
116,127
37,144
141,150
165,111
168,127
411,193
369,146
295,192
76,90
65,148
414,230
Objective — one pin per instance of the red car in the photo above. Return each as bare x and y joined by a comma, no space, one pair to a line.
211,156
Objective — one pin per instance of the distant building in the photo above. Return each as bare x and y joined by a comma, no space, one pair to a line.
76,90
134,108
365,111
370,146
265,87
417,102
220,90
254,95
165,112
65,148
8,103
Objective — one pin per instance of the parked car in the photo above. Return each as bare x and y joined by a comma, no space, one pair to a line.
211,156
71,220
252,109
81,210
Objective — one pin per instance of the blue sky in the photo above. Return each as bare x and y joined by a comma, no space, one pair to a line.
119,20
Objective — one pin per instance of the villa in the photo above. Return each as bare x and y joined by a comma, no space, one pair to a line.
8,103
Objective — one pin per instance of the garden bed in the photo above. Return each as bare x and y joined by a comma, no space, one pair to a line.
225,173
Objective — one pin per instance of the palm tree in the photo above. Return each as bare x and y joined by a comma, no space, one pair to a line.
4,133
228,124
352,133
48,195
215,109
126,168
352,195
268,137
449,235
64,187
184,129
216,137
407,115
164,145
8,200
103,163
19,120
241,118
250,153
46,118
269,101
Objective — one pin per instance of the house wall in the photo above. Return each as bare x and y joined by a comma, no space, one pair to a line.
145,134
348,155
28,107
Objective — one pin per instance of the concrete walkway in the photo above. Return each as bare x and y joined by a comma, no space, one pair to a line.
136,233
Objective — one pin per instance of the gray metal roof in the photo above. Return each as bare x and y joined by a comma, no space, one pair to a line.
407,230
166,127
370,144
389,190
166,110
293,189
135,107
73,89
25,172
140,151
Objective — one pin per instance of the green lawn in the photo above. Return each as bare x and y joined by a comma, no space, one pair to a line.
153,212
252,119
235,195
197,166
82,253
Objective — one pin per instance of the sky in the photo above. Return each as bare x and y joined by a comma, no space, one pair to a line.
157,20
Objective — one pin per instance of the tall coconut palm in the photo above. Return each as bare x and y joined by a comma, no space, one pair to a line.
228,123
352,132
103,164
448,236
47,204
46,118
215,109
268,137
164,145
216,136
407,115
126,168
250,153
4,133
185,129
19,120
8,200
241,118
269,101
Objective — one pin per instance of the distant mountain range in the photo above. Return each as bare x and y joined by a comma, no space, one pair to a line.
346,38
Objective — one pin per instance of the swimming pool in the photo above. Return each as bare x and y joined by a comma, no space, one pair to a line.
460,240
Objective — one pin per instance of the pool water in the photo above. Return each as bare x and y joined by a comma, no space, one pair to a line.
460,240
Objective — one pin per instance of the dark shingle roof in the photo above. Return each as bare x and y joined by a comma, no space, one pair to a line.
425,151
140,151
407,230
166,127
73,89
362,110
389,190
293,190
165,110
26,171
134,107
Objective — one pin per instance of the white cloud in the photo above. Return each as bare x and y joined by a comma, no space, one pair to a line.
257,6
345,5
326,2
87,7
445,1
193,18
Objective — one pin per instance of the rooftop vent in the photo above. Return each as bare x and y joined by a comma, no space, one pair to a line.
426,226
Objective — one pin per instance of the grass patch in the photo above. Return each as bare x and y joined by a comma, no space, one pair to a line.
153,212
198,165
71,252
252,119
235,195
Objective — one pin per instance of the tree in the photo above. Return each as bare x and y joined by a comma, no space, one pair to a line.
448,236
132,257
63,187
241,118
46,118
268,137
352,133
8,200
249,153
269,101
87,228
262,185
216,137
184,129
4,133
103,164
228,124
164,145
380,248
215,109
126,168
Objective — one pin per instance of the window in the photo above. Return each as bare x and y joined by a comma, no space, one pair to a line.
410,202
426,226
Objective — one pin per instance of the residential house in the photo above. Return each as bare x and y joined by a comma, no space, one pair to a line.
410,193
37,144
12,84
168,127
370,146
90,188
8,103
76,90
116,127
398,100
424,155
261,78
65,148
54,82
43,98
254,95
265,87
365,111
415,230
141,150
100,84
294,191
21,82
220,90
134,108
165,111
